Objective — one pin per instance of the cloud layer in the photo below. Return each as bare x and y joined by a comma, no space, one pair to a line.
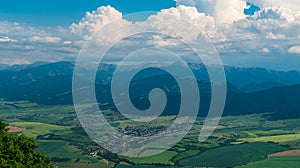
223,11
271,34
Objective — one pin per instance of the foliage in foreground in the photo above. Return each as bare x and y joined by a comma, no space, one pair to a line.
17,151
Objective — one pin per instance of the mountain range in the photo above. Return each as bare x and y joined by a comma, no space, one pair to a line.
250,90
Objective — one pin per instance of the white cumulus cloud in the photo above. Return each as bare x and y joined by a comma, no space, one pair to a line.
273,29
284,4
272,36
294,50
184,22
94,21
175,22
265,50
224,11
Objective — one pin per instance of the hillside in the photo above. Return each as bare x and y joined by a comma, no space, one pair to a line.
51,84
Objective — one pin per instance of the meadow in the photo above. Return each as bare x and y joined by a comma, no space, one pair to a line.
276,162
232,156
240,141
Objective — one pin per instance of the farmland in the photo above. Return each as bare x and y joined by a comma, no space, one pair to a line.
34,129
163,158
276,162
289,139
231,156
286,153
239,141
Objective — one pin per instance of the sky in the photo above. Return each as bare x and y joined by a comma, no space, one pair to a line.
260,33
65,12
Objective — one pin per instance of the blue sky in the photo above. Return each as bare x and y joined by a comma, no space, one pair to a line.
52,30
65,12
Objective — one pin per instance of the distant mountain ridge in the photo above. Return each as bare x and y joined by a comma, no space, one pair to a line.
254,87
242,77
19,67
239,77
250,90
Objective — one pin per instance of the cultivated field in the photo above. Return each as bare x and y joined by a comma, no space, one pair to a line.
239,141
286,153
14,129
276,162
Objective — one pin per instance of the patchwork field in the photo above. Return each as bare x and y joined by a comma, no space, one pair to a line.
290,139
34,129
231,156
246,141
276,162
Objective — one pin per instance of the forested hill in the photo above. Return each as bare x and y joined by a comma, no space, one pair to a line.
250,90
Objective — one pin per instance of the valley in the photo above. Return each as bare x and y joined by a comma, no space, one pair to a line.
239,141
261,117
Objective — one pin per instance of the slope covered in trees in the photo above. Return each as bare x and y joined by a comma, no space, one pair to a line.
18,151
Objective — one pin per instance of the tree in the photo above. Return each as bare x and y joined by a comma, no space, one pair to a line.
17,151
3,128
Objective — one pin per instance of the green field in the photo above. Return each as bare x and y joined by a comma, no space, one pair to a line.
289,139
61,137
84,165
185,154
231,156
34,129
62,149
163,158
276,162
144,166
